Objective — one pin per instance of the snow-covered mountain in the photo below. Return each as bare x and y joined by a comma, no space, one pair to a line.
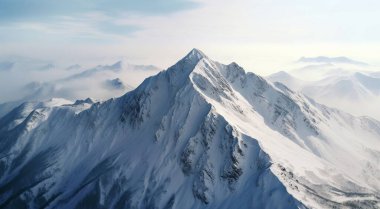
287,79
198,135
354,92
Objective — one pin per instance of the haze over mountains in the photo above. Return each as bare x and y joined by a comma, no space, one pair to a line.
101,82
199,135
331,60
342,83
30,75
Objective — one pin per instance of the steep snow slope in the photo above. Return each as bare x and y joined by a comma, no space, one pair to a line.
199,135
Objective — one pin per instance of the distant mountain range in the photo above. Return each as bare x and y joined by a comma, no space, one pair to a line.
101,82
347,87
323,59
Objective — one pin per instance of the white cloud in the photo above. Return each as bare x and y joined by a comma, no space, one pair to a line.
260,35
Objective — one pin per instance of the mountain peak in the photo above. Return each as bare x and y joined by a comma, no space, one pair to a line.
186,65
117,65
195,55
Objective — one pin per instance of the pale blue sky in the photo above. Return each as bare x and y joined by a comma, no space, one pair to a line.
260,35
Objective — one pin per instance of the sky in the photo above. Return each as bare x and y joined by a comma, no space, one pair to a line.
262,36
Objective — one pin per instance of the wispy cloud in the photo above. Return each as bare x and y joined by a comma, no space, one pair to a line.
37,9
93,19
